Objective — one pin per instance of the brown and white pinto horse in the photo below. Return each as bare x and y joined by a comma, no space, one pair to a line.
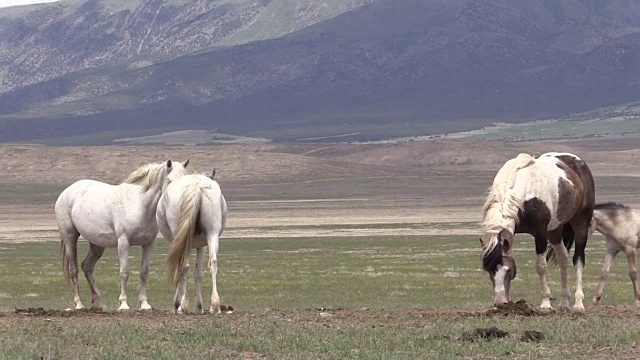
550,197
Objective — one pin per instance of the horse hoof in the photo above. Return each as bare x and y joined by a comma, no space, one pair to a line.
79,307
578,308
145,307
546,309
215,310
97,308
596,300
123,307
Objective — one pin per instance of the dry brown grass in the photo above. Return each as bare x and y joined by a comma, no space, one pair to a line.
308,189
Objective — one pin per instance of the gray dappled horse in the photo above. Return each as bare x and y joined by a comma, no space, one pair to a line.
620,225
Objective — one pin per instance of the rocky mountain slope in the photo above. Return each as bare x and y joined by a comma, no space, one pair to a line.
375,69
41,42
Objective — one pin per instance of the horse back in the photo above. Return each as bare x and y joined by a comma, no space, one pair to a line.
617,221
554,189
580,175
211,209
75,191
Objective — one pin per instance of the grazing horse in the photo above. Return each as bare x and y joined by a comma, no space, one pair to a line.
551,198
192,214
113,216
620,225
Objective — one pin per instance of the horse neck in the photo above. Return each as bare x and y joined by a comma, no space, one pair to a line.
509,225
150,199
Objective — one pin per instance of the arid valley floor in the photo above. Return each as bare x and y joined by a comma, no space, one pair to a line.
332,250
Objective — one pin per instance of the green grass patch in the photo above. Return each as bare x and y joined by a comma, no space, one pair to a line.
398,294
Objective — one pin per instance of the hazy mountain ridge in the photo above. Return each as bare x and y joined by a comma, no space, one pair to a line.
421,62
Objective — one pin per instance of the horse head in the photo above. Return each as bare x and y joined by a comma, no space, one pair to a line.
174,170
498,261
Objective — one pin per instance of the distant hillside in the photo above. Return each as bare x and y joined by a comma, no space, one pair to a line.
382,69
40,42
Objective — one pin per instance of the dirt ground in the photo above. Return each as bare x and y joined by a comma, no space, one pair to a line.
415,321
390,318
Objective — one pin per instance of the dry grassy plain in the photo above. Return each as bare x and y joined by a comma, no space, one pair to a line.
308,190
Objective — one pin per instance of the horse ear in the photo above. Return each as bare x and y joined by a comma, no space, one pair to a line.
186,163
169,164
213,174
481,242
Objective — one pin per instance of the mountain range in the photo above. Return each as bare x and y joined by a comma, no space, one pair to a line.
293,69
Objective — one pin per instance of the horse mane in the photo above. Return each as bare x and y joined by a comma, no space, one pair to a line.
492,257
610,206
501,201
147,175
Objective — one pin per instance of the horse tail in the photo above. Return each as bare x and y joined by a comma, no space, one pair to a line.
65,261
568,236
180,247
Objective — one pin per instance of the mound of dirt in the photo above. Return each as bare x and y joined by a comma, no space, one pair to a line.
39,311
484,333
518,308
226,308
30,310
532,336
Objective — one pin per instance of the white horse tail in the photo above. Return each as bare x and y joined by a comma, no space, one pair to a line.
181,245
65,261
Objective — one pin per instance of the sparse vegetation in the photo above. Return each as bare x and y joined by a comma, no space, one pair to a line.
407,297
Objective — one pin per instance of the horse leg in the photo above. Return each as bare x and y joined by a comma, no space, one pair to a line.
180,300
198,276
88,265
612,251
71,251
581,230
633,273
212,244
123,254
555,237
144,275
541,269
184,300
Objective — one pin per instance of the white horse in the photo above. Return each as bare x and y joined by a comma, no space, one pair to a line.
192,214
113,216
620,225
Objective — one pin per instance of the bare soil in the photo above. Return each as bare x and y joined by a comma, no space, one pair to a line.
393,317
